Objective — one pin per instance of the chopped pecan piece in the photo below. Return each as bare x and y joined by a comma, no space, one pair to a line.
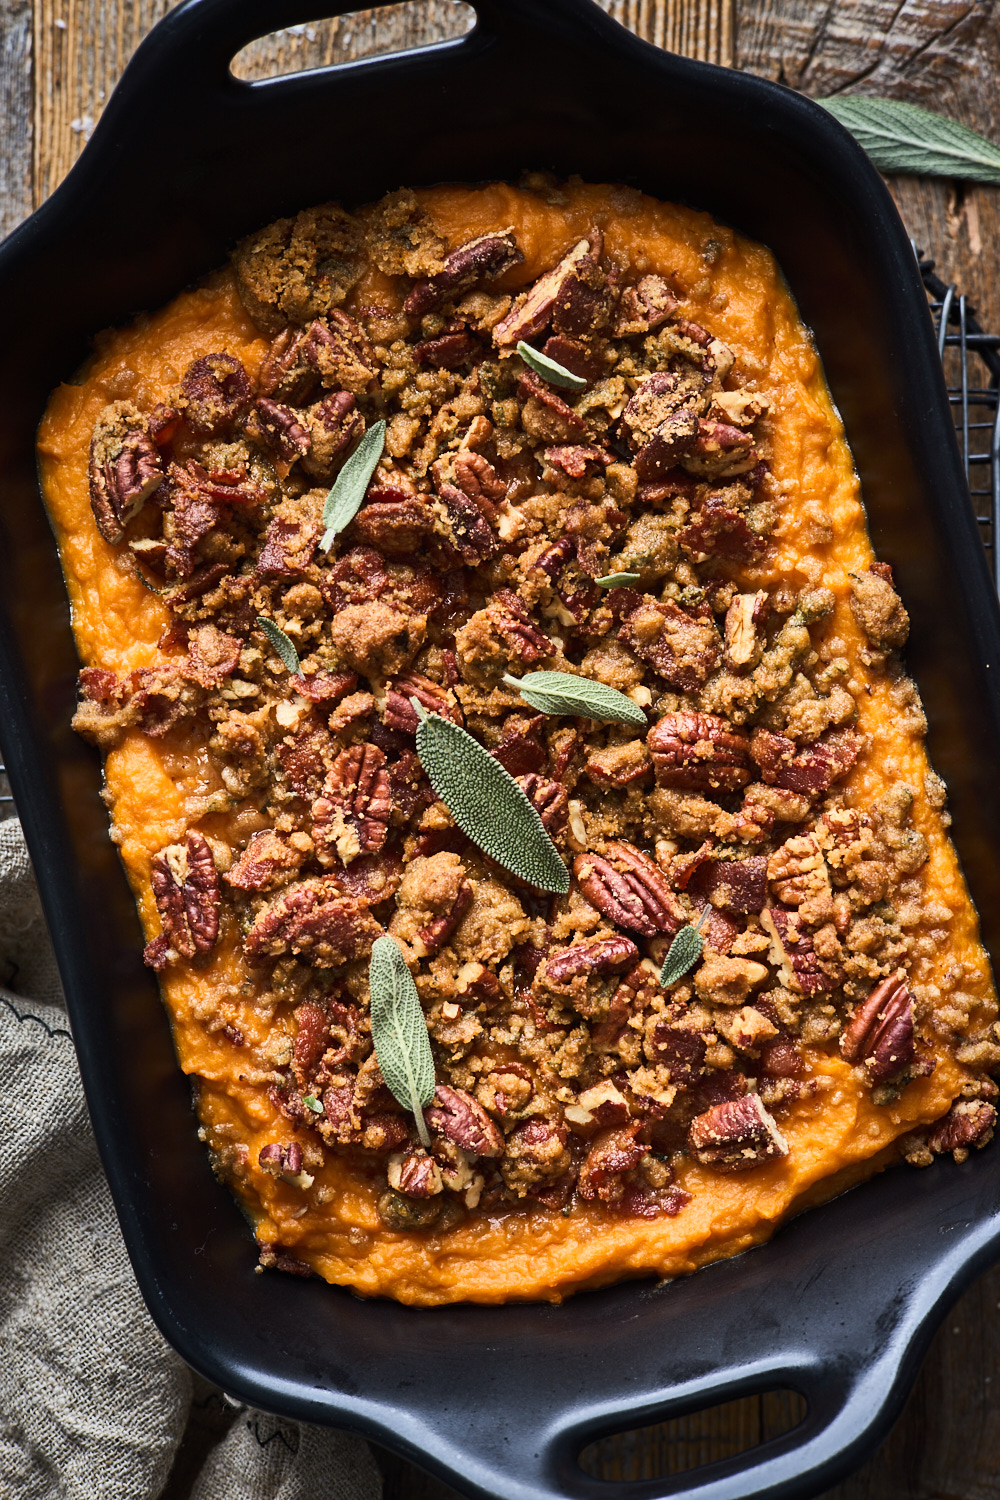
968,1123
186,890
286,374
534,310
719,451
267,861
644,307
433,937
456,1115
482,259
736,1135
281,428
612,1154
125,468
744,643
285,1161
699,752
315,921
217,392
607,956
352,816
512,622
399,711
535,1153
682,645
415,1173
879,1035
812,769
657,399
371,877
466,531
546,416
550,800
629,889
802,969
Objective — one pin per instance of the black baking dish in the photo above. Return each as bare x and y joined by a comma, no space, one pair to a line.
843,1302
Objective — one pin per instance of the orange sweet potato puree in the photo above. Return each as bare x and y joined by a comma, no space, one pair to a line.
837,1138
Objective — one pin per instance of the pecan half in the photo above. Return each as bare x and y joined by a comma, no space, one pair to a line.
217,392
281,429
286,374
682,645
415,1173
476,477
186,890
342,353
801,968
607,956
699,752
267,861
456,1115
719,451
534,310
810,770
736,1135
352,816
629,889
125,468
482,259
550,800
968,1123
879,1035
512,622
315,921
399,711
466,532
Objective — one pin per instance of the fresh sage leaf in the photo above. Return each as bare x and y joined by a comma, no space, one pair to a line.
311,1102
562,693
683,953
901,137
399,1032
344,500
550,369
617,580
487,803
279,640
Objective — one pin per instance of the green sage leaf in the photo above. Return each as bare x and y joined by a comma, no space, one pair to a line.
344,500
550,369
683,953
901,137
279,640
562,693
617,580
487,803
311,1102
399,1032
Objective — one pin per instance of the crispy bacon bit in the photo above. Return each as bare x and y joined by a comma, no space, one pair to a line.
719,531
736,1135
395,521
482,259
125,468
671,441
811,770
699,752
879,1035
268,861
456,1115
186,891
572,459
629,889
720,451
556,419
218,393
612,1154
733,885
680,1049
356,578
683,645
288,549
608,956
320,687
449,351
520,751
352,816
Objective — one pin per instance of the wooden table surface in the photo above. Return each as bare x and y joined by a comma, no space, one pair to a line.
59,60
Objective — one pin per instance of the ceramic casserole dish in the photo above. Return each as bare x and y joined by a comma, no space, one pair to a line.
499,1401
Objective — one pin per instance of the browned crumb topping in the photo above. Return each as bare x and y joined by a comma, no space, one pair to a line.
564,1067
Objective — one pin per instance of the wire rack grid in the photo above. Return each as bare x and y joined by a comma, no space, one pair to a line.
971,359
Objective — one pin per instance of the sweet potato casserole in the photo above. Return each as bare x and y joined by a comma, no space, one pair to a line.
593,440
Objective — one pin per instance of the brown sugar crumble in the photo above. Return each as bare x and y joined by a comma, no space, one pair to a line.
568,1077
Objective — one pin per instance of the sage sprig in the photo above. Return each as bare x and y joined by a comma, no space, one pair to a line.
399,1032
901,137
617,580
279,640
550,369
683,953
312,1103
487,803
344,500
562,693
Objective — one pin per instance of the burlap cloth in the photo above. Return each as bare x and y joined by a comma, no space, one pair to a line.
94,1405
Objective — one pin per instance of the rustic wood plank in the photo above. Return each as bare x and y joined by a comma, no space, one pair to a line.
16,113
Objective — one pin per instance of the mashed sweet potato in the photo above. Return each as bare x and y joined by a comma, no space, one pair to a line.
599,1115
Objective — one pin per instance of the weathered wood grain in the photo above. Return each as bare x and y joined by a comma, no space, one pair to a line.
946,1445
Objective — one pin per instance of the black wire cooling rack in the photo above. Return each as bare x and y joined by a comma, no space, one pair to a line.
971,361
